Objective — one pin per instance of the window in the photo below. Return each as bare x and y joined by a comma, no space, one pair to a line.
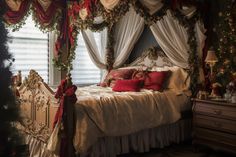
84,71
29,47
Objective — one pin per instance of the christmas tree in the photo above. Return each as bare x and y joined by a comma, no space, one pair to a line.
225,43
10,143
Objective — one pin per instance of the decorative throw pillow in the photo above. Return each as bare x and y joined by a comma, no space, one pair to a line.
179,80
139,75
117,74
128,85
153,79
154,87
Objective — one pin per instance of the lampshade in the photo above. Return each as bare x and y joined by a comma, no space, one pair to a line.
211,57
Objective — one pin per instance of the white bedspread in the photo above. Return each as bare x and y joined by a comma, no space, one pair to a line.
101,112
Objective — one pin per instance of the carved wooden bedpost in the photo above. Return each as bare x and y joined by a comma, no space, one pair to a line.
65,116
70,118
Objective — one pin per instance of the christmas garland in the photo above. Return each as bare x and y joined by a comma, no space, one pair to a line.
189,24
144,11
53,25
113,16
110,48
98,27
89,24
62,62
16,26
110,17
72,51
193,59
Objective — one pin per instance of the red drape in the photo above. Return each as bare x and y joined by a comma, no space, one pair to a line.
14,17
46,17
63,36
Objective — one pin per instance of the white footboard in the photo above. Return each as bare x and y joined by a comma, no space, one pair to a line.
38,107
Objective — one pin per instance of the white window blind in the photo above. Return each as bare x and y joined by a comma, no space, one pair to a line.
29,47
84,70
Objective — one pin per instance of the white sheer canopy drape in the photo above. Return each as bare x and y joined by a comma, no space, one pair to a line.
171,36
173,39
127,32
96,53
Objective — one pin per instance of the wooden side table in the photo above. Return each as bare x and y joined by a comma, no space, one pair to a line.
214,124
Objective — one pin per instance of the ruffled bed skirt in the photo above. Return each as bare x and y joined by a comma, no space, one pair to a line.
141,141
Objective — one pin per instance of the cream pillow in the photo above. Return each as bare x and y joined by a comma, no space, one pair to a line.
178,79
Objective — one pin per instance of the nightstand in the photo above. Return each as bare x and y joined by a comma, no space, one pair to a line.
214,124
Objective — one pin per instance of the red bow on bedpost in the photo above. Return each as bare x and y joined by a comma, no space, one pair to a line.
66,94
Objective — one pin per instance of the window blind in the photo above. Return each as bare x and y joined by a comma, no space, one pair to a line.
29,47
84,70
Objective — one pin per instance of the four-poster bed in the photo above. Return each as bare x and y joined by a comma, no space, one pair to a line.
179,34
103,125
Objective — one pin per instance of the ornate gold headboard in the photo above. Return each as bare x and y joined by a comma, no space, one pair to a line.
38,106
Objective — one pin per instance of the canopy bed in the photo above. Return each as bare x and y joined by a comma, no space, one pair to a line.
97,120
143,120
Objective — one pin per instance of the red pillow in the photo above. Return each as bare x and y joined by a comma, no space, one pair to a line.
117,74
140,75
155,87
155,80
127,85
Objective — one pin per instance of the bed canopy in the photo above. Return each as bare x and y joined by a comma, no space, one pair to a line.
175,24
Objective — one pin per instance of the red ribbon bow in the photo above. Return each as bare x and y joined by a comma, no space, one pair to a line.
64,91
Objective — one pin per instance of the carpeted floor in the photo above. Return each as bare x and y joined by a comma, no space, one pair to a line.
183,150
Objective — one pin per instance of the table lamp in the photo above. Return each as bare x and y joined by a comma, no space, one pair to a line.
211,59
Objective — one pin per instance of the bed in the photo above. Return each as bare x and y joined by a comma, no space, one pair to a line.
109,123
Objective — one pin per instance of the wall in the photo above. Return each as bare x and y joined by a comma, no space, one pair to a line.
145,41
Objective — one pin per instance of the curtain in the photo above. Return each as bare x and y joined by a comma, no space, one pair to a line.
152,5
127,31
16,11
46,12
96,55
173,39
